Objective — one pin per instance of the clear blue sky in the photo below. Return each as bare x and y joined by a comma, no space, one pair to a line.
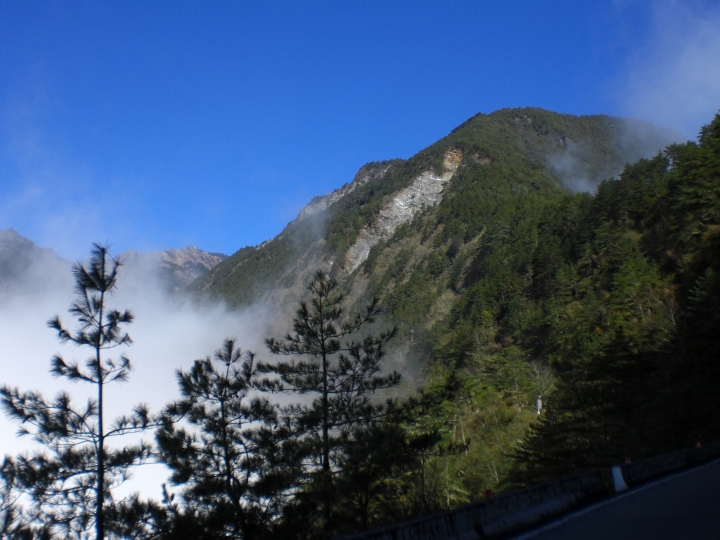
163,124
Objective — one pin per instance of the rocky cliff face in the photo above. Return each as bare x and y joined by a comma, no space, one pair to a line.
190,263
322,202
426,190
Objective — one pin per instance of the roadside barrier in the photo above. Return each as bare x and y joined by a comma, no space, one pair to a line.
504,515
498,517
635,473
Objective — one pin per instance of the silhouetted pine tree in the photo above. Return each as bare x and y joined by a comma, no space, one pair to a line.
339,373
13,524
232,479
69,484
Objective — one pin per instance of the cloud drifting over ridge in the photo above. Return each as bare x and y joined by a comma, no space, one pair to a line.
169,333
673,79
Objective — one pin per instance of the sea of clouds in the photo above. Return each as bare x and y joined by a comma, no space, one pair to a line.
170,331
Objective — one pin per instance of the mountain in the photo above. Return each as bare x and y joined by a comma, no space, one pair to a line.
17,253
550,330
441,198
29,268
625,309
507,281
176,267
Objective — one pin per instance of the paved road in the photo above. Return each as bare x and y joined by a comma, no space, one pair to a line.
686,506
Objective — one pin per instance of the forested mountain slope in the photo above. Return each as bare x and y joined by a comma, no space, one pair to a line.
520,153
630,303
500,279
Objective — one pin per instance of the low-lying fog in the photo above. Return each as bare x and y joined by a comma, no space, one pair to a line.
169,332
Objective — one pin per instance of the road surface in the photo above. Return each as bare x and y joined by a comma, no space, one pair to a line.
683,506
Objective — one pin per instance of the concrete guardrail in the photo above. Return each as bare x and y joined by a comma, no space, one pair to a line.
516,511
648,469
498,517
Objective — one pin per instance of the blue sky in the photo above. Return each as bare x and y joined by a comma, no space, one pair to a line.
157,125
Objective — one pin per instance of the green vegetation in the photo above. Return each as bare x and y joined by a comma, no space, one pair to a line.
636,349
610,298
605,306
506,150
229,482
512,287
340,372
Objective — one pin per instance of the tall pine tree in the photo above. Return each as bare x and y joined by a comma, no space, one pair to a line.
338,369
70,483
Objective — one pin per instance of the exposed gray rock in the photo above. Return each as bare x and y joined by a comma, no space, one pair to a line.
177,267
424,191
190,263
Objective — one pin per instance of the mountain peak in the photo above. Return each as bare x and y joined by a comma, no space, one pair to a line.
191,256
20,259
525,154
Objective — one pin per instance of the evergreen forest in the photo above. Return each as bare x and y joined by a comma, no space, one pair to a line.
514,333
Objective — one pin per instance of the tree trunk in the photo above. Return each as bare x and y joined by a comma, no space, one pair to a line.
101,430
326,445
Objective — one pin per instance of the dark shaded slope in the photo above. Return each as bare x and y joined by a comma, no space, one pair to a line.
631,316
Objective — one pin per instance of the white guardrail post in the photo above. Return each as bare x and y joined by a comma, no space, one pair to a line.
618,479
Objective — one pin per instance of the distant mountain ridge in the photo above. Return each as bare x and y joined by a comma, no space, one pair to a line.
178,267
23,262
15,250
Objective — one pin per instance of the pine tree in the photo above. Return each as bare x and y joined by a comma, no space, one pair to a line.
227,469
13,525
373,456
70,483
340,373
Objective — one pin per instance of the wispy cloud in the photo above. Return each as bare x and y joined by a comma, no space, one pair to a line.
673,78
169,332
54,198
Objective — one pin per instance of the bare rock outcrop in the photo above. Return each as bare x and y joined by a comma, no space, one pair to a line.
190,263
425,190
